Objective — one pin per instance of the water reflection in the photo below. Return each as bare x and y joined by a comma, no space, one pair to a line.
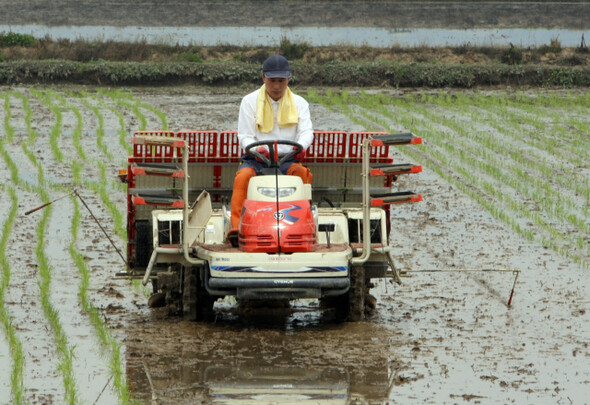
316,36
244,384
267,358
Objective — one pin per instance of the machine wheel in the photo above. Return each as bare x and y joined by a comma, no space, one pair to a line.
205,311
157,300
197,304
143,243
189,294
356,294
351,306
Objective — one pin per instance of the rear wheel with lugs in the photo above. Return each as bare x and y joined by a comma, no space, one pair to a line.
197,304
351,306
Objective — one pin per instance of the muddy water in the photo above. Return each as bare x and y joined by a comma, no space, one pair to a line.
92,373
437,338
274,355
5,205
41,377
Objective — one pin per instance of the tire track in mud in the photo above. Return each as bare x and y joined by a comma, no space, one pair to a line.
179,362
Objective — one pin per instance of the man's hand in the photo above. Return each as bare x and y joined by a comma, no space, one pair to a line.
301,155
264,152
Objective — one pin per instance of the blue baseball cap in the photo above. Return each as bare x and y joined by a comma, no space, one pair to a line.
276,66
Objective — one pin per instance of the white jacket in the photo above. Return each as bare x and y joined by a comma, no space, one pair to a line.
248,132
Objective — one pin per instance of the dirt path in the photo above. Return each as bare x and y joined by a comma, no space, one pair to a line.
438,338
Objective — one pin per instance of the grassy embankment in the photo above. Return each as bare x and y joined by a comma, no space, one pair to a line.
24,59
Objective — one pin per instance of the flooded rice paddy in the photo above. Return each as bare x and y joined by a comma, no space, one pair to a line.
446,337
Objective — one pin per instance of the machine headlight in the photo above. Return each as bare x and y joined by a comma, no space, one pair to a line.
271,191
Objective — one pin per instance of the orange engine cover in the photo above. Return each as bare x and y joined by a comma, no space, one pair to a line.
258,227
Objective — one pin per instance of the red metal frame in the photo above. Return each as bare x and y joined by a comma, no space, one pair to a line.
380,154
224,147
229,147
327,147
153,153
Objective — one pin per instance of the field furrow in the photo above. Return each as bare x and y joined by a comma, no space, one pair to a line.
65,351
56,268
12,350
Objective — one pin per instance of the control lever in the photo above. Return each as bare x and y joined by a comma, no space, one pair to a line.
327,228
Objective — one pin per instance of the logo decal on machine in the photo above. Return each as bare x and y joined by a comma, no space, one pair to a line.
285,215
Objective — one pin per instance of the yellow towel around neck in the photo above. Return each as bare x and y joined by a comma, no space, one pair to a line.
286,115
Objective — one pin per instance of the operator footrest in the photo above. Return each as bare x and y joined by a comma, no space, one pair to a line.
395,198
391,170
146,199
157,169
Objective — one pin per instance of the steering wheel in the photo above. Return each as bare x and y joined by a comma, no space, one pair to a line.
272,146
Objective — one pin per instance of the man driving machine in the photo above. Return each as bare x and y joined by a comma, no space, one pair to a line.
271,113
